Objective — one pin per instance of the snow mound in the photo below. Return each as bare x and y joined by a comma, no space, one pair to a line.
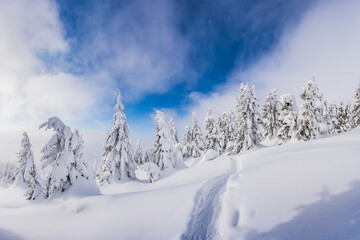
148,171
209,155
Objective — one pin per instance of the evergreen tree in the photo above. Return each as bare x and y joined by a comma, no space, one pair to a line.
356,109
138,156
211,140
167,152
196,138
271,115
62,156
344,117
26,172
77,144
149,155
225,130
241,107
287,118
186,142
313,119
173,131
306,122
116,160
334,126
248,133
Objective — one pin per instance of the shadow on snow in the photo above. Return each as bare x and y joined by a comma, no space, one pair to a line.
334,217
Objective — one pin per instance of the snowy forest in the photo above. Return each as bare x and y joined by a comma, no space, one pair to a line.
279,121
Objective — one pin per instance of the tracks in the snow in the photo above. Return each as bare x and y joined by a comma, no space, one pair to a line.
208,203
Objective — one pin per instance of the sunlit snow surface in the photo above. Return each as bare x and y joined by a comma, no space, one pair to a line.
302,190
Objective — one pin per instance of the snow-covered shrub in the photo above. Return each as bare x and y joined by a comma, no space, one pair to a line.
148,171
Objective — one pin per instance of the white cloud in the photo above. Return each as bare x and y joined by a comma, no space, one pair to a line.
325,44
29,94
138,45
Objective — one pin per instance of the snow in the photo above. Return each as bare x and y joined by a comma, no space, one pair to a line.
302,190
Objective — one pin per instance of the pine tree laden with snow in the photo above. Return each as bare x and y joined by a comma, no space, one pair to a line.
163,146
117,162
211,139
356,109
306,121
334,126
224,130
271,115
186,142
138,155
149,155
344,116
26,175
247,132
287,118
62,157
196,137
173,130
313,119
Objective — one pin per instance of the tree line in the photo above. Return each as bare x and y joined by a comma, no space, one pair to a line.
279,120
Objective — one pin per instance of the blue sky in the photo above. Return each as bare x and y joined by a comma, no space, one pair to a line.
66,58
204,42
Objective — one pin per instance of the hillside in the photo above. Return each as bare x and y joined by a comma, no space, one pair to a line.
303,190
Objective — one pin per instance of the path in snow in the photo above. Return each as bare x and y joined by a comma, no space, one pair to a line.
208,204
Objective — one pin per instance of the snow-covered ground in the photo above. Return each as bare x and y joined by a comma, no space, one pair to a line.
305,190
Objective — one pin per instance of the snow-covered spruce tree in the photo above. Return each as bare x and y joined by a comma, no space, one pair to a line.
344,117
241,106
320,109
196,137
334,126
252,136
149,155
178,155
8,172
313,119
211,139
138,155
271,115
356,109
117,162
166,151
247,132
224,130
62,157
173,130
186,142
287,119
26,175
77,145
307,127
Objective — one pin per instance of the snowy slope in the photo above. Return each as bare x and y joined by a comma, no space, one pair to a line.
305,190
